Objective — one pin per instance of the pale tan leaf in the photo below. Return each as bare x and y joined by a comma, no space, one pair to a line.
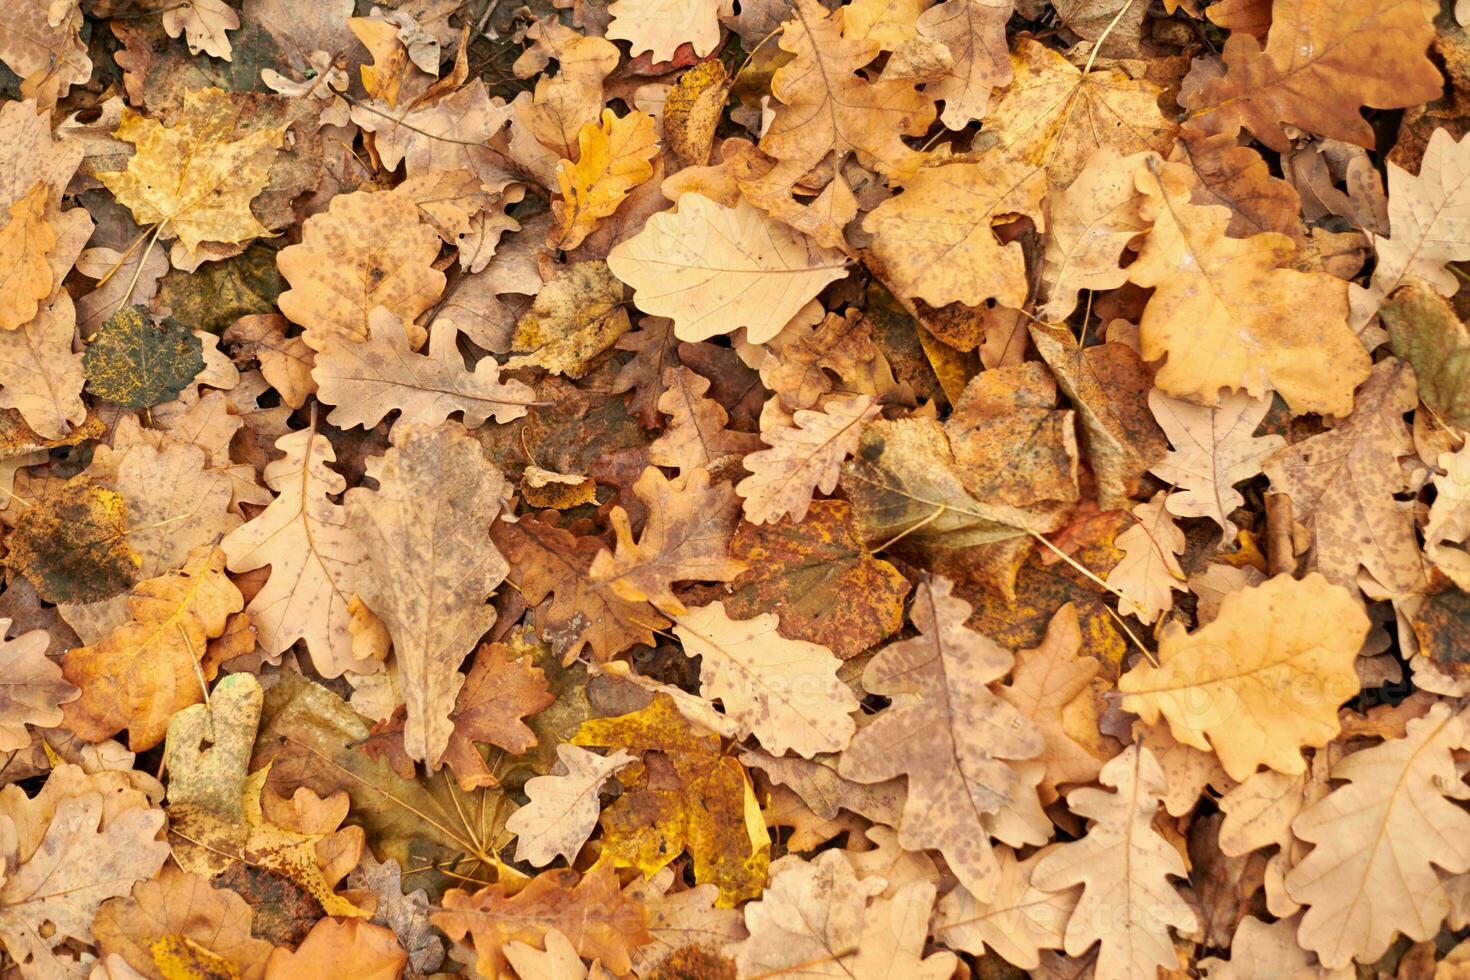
1018,923
39,375
1088,226
562,808
804,458
1148,574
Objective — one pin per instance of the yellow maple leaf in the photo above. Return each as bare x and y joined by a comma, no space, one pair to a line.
196,178
615,157
1263,679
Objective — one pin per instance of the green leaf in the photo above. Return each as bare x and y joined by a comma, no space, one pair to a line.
136,363
1424,330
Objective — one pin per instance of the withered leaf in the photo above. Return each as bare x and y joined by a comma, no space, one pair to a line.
136,362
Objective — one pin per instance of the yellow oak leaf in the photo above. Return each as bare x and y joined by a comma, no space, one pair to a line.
367,250
197,177
614,158
936,241
685,795
1229,315
1262,680
147,669
25,240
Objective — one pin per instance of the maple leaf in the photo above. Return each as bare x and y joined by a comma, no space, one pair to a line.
427,527
148,668
1046,680
367,379
1425,331
33,691
1284,639
695,436
1054,117
831,591
1342,484
176,917
562,808
936,242
1378,840
1309,49
197,177
804,458
960,771
712,269
136,363
304,537
613,158
1124,867
785,692
819,918
86,854
29,237
654,820
1214,449
577,315
1148,574
686,538
355,947
1018,923
1227,316
589,910
341,270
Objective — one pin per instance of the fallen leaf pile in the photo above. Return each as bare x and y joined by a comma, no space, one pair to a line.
734,489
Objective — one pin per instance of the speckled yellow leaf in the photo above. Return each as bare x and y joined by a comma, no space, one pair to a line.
614,158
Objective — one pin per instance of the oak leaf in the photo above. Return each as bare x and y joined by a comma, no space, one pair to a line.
368,378
32,690
562,104
176,503
456,132
1449,517
973,32
429,522
1214,449
695,435
685,794
148,668
576,316
1379,839
948,733
204,24
1311,49
40,376
180,915
304,538
47,52
830,590
1124,867
367,250
1342,484
352,947
1045,681
498,692
613,158
804,458
1089,224
1018,923
712,269
407,914
936,240
785,692
1228,316
51,892
686,538
197,177
661,26
1148,575
27,237
562,808
71,544
1223,686
1261,950
818,919
1054,116
600,921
